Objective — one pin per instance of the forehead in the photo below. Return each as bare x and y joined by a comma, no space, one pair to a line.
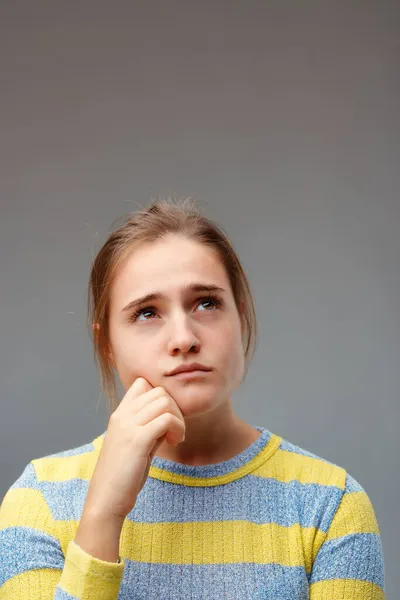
167,265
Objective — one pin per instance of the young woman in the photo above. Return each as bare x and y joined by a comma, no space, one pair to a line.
179,497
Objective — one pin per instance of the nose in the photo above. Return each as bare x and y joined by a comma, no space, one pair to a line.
182,336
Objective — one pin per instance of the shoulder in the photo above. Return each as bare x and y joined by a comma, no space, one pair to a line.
315,480
324,487
292,462
322,466
57,482
68,464
39,515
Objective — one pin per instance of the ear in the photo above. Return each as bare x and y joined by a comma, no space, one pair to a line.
96,327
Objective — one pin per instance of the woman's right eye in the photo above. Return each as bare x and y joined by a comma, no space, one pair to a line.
139,311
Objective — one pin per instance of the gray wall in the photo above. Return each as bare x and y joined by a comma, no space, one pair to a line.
281,118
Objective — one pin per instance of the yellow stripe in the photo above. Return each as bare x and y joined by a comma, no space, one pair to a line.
82,466
31,584
282,465
219,542
66,467
354,515
27,507
98,442
286,466
345,589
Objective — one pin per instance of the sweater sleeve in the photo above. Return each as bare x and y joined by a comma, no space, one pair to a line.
349,563
32,563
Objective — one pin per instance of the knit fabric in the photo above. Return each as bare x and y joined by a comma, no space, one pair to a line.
273,522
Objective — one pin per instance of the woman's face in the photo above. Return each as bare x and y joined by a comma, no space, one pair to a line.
181,327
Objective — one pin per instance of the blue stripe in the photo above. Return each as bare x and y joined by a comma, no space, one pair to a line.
354,556
27,479
65,498
352,485
289,447
241,580
61,595
249,498
252,498
23,549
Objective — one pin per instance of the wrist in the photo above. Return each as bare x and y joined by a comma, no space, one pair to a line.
99,535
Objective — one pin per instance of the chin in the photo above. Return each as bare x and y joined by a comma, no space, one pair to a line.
191,387
192,399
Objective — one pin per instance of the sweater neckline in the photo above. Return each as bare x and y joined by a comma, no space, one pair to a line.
218,473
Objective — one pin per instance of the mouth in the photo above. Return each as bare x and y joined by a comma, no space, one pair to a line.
188,368
194,374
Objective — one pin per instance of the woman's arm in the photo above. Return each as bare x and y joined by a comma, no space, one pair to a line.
32,563
349,564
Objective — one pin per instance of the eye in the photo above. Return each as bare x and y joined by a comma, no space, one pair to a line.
139,311
217,302
211,299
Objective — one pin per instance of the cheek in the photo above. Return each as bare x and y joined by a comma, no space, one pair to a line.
229,348
131,362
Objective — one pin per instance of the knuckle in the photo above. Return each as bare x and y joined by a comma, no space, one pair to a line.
168,418
165,402
159,390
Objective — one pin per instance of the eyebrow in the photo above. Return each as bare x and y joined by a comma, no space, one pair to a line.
193,287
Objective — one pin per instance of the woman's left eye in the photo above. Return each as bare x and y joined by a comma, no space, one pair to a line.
213,299
150,309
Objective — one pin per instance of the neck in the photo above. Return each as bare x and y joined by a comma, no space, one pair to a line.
210,438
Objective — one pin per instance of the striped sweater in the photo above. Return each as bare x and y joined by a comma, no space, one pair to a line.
273,522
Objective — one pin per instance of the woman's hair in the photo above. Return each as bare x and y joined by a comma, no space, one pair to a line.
162,218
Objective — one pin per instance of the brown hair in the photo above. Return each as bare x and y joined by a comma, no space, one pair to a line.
161,218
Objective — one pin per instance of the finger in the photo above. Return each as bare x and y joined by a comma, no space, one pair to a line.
143,394
161,405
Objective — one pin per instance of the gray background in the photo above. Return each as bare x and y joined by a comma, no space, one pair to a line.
281,118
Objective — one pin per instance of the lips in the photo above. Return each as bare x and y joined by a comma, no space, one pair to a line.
188,368
189,375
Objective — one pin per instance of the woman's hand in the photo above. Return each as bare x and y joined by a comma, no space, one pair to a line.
145,417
